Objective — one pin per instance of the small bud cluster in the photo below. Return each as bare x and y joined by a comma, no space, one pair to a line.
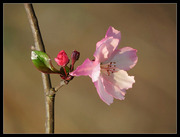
62,60
43,63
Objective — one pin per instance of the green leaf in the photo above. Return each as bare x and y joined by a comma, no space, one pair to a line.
42,62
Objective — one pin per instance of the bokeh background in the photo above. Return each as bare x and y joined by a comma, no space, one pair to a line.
149,107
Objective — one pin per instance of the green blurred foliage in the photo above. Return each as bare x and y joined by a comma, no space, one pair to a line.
149,107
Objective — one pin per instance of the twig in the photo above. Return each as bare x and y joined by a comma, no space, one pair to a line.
48,90
62,83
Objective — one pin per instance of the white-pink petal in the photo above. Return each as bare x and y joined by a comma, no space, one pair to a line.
114,90
120,79
106,97
105,50
95,72
125,58
112,32
99,43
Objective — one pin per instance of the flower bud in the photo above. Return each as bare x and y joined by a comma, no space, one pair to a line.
62,58
75,56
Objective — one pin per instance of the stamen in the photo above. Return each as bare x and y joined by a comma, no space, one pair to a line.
109,68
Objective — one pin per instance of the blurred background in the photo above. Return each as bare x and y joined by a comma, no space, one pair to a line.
149,107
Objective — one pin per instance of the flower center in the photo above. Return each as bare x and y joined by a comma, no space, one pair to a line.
108,68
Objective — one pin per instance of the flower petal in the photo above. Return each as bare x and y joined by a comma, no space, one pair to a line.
112,32
114,90
85,69
95,72
88,68
120,79
125,58
107,45
106,97
105,50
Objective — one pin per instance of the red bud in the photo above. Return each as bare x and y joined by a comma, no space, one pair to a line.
62,58
75,56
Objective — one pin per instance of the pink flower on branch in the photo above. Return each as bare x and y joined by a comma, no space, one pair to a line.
108,70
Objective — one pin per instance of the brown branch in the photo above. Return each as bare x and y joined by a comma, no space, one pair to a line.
39,45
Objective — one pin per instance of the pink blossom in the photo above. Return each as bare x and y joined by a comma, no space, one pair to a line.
108,70
62,58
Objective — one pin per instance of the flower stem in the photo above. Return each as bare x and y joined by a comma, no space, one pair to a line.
65,71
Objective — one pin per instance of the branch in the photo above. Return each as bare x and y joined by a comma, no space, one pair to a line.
39,45
62,83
